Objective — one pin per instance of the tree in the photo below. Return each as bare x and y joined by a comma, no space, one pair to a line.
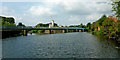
20,24
0,21
7,20
81,24
102,19
45,25
116,8
55,24
89,25
10,20
93,26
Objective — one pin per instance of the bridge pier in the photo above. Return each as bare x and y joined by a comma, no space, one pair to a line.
74,30
25,33
66,30
82,30
50,31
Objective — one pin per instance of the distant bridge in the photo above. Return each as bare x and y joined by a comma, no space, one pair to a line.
46,29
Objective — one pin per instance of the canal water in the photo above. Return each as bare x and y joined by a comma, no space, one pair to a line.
62,45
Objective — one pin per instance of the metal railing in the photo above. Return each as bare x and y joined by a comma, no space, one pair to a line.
33,27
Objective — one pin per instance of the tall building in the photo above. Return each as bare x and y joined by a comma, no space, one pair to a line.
51,24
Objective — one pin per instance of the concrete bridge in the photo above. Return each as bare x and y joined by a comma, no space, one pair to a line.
45,29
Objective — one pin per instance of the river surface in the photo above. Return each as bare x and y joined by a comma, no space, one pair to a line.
62,45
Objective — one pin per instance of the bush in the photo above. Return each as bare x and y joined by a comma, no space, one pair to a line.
118,39
98,33
40,31
33,31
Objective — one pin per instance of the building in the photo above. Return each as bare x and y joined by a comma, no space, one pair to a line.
51,24
113,18
98,28
60,26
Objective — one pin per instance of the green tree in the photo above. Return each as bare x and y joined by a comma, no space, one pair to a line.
116,8
55,24
45,25
7,20
0,21
89,25
102,19
81,24
20,24
93,26
10,20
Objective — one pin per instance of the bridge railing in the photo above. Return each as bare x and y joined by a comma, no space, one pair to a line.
32,27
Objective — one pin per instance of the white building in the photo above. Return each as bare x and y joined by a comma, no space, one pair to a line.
60,25
51,24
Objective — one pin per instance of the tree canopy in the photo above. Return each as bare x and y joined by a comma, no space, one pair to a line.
7,20
102,19
116,8
89,25
20,24
45,25
81,26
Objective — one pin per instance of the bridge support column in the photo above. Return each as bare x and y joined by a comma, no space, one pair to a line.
82,30
25,33
50,31
74,30
66,30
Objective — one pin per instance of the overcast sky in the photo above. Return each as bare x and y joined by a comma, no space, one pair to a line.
63,12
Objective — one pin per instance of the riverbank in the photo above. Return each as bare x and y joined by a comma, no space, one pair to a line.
7,34
0,34
116,40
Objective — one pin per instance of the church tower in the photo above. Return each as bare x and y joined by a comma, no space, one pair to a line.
52,23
